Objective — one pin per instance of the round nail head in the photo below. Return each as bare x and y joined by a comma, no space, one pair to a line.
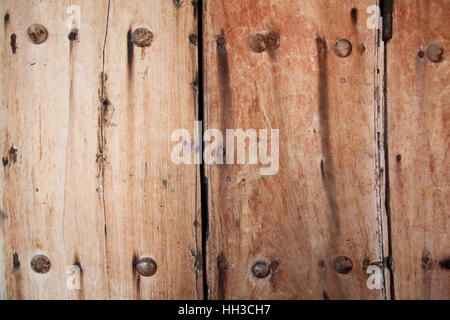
142,37
37,33
342,48
435,53
257,43
343,265
260,269
41,264
146,266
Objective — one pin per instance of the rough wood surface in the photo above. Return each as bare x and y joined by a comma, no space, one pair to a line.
418,101
87,178
151,204
302,218
49,182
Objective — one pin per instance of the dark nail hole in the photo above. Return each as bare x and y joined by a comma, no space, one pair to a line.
421,54
354,15
366,263
321,264
7,17
16,262
13,155
5,161
193,38
398,158
13,43
273,40
445,263
274,265
73,35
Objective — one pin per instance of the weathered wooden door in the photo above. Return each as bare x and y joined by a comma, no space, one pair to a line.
94,207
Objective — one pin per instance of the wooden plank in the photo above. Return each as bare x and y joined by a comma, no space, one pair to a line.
323,201
418,100
151,203
48,130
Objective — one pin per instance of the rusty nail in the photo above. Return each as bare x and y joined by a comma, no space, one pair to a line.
41,264
257,43
146,266
343,265
421,54
435,53
342,48
260,269
273,40
142,37
37,33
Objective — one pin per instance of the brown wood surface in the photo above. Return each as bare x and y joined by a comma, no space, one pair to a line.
89,181
325,108
85,141
151,204
49,193
418,101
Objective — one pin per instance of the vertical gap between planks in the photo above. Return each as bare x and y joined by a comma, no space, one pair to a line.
102,144
379,150
203,176
387,199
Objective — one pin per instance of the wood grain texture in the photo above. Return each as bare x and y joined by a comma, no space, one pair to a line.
151,204
418,101
303,217
49,182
